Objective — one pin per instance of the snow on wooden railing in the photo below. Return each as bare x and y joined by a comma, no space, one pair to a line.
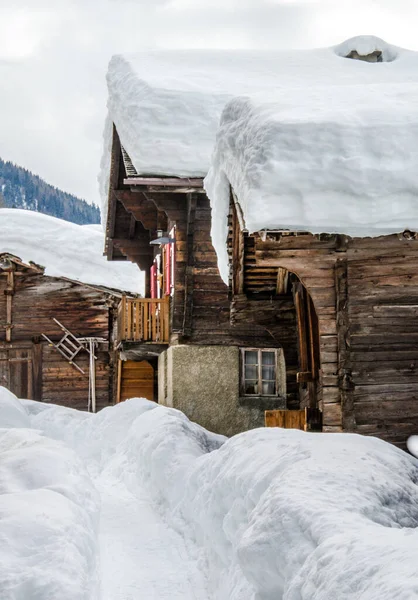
144,320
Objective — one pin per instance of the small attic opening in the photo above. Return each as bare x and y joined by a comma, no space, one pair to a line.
373,57
367,48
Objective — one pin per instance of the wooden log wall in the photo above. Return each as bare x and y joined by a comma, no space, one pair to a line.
46,375
209,302
365,293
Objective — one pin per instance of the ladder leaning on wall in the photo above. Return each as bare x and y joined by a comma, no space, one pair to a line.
69,346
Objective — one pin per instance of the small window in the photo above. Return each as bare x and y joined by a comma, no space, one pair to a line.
262,372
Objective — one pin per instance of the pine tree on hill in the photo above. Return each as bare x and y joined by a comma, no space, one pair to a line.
19,188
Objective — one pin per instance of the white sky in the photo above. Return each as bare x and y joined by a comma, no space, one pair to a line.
54,54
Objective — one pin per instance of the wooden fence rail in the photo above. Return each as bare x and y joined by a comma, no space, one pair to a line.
144,320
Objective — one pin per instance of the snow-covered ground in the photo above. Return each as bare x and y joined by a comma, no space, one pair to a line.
137,502
65,249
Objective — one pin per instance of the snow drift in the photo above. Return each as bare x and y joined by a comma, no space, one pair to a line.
64,249
267,514
48,514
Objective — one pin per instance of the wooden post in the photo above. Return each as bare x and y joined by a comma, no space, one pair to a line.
119,382
188,290
37,370
9,291
345,381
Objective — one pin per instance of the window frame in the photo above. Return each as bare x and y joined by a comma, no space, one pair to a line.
278,353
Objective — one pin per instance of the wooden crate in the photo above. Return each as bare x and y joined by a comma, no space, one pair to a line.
308,419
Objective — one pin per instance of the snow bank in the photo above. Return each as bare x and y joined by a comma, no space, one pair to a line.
65,249
12,412
284,514
48,516
270,513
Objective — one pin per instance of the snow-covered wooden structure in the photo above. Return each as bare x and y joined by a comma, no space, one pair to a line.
181,328
34,361
321,190
310,207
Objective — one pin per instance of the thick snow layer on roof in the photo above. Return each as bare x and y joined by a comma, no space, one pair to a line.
269,513
64,249
166,105
335,159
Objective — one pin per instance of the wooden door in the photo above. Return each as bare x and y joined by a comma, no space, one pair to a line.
308,347
136,380
16,371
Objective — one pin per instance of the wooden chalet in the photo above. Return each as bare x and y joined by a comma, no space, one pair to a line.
181,329
316,331
354,354
56,337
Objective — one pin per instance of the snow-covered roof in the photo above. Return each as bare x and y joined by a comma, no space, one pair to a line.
166,105
327,143
64,249
335,159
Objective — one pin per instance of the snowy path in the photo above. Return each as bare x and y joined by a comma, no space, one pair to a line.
140,556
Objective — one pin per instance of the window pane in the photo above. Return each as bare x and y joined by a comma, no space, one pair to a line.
251,357
251,387
269,373
268,358
251,372
269,388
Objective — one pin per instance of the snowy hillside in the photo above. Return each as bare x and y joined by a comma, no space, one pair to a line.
65,249
20,188
138,502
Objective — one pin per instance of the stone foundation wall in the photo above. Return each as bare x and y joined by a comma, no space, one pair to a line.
203,382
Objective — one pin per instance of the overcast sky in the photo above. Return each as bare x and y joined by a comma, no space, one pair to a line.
54,54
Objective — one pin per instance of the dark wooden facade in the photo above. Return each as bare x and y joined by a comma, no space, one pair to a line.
139,209
29,366
364,298
200,304
342,309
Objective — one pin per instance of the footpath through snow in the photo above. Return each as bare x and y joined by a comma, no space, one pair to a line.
138,502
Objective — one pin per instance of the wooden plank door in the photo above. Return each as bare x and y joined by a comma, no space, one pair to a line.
136,380
16,371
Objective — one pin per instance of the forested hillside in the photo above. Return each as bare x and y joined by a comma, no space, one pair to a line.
19,188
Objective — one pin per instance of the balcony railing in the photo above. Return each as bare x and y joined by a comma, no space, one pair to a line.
144,320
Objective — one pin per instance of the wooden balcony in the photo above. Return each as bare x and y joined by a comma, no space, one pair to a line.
144,320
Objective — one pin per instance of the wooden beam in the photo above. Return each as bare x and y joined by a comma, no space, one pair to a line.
113,182
345,380
166,182
142,208
189,276
9,292
37,349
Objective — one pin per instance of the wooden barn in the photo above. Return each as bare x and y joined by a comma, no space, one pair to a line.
354,302
56,337
317,327
181,329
